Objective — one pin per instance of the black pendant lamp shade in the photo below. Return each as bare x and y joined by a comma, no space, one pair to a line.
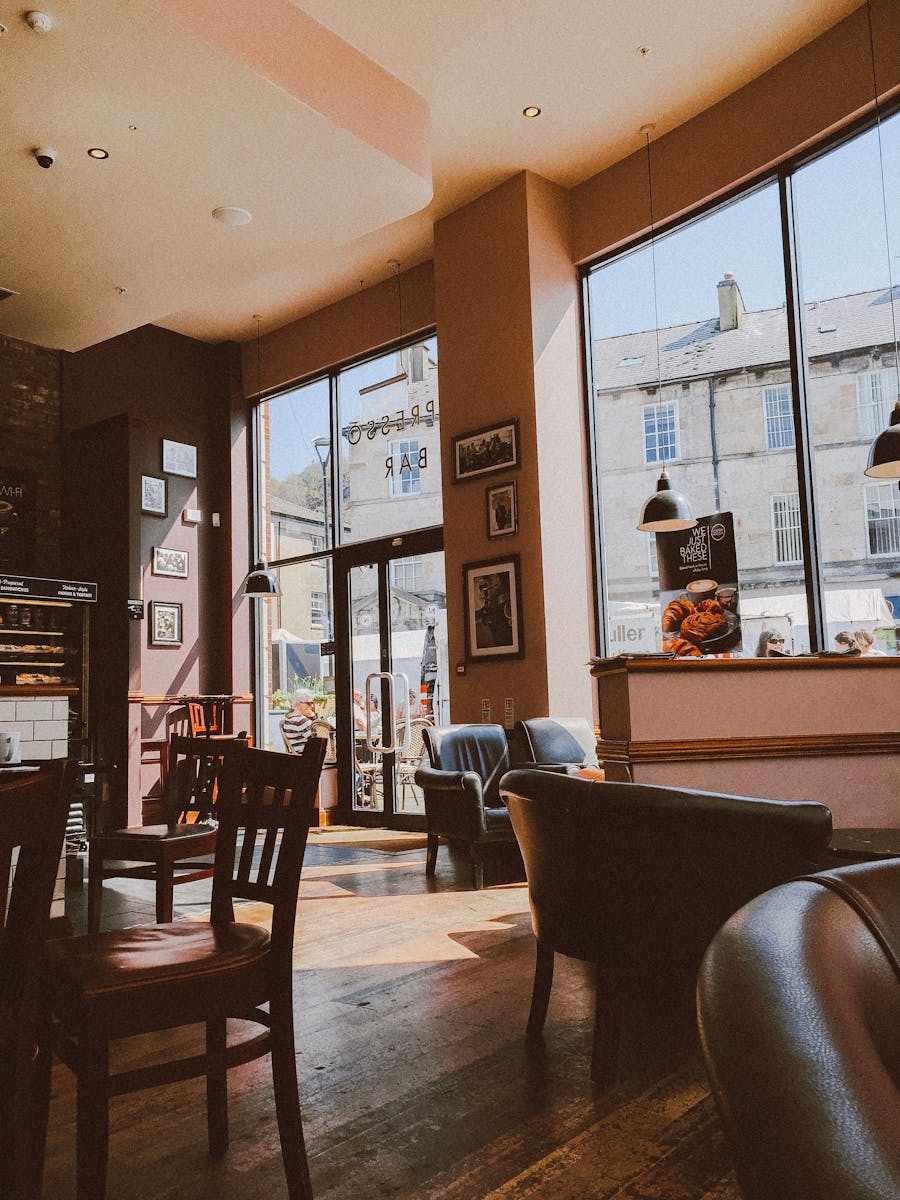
666,510
262,581
884,453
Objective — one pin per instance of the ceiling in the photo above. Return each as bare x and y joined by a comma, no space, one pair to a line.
345,127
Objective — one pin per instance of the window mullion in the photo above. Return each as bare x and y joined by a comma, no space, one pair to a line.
799,363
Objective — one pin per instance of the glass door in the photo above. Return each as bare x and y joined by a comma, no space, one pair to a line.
397,679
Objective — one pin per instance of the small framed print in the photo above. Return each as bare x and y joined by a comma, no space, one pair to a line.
167,561
502,510
178,458
153,495
165,623
493,449
492,598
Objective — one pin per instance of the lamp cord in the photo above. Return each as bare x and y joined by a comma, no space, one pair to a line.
884,210
655,302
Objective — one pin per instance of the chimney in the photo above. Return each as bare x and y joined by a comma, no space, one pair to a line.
731,306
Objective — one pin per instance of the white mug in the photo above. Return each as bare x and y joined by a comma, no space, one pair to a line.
9,747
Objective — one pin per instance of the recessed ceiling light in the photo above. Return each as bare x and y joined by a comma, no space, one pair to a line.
98,152
232,216
531,111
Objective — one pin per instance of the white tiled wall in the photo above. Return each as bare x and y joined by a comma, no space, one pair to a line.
43,722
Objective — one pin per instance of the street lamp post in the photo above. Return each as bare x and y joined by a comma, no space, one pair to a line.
322,447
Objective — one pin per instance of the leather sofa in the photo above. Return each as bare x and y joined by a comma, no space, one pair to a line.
798,1002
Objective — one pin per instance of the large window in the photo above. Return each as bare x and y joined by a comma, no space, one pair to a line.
696,375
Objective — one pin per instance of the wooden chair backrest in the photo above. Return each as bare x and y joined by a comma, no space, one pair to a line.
265,805
193,769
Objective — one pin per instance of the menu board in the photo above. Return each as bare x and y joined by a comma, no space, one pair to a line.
699,595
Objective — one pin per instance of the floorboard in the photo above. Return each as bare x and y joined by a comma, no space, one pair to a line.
411,997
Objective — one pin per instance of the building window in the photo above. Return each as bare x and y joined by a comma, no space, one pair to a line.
317,541
653,555
786,528
883,518
874,402
317,609
405,573
660,432
405,474
779,418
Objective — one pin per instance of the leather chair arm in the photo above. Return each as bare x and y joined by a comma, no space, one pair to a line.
430,779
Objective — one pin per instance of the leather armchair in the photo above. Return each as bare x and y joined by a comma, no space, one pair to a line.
460,783
638,879
799,1016
563,744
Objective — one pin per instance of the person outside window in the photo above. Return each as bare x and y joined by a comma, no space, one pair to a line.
770,645
845,643
867,644
297,725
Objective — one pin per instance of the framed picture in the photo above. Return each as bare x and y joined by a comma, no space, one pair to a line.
165,623
493,609
167,561
493,449
153,495
178,458
502,510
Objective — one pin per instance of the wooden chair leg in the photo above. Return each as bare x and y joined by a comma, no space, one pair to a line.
95,889
93,1114
431,854
287,1099
40,1115
165,874
540,993
217,1089
477,867
607,1020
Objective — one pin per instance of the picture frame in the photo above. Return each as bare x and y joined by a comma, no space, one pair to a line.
495,448
502,510
179,458
153,495
165,623
168,561
492,601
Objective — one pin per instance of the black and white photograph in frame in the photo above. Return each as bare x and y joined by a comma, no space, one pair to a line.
153,495
502,510
165,623
179,458
167,561
493,609
485,450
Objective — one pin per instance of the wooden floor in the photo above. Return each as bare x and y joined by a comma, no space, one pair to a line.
416,1082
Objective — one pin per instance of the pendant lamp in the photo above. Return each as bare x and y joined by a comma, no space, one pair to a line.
666,510
884,453
262,580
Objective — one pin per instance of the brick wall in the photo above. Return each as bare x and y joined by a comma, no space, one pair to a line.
31,437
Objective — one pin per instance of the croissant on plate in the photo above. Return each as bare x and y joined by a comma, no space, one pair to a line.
712,606
702,625
674,613
681,648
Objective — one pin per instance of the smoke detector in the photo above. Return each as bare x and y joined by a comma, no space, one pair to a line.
40,22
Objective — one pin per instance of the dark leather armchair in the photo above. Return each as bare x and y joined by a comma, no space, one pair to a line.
799,1015
554,743
638,879
461,788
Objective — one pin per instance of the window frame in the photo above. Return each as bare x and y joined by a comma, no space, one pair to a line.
770,419
656,408
889,488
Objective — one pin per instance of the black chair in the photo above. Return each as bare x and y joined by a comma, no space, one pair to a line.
33,813
564,744
461,788
180,850
637,879
149,978
798,1004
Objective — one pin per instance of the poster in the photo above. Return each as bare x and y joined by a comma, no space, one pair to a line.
17,521
699,596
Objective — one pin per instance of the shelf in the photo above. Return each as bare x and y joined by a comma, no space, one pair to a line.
44,662
5,629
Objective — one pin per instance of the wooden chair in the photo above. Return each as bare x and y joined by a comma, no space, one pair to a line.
167,853
123,983
33,812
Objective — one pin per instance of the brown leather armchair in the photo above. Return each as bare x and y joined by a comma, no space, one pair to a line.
799,1016
461,788
638,879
